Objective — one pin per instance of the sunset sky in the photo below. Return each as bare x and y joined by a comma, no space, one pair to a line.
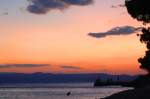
57,41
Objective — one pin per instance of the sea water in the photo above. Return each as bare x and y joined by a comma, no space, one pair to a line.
56,91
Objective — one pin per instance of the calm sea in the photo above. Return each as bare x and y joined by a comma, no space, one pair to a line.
56,91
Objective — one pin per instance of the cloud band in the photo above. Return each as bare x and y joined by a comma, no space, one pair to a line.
43,6
123,30
22,65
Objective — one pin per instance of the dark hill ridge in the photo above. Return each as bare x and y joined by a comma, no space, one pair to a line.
58,78
141,93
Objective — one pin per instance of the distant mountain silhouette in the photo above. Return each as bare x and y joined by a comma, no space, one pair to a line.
58,78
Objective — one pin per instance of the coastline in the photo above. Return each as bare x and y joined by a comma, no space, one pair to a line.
139,93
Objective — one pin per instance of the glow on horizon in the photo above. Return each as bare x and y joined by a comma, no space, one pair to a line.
60,38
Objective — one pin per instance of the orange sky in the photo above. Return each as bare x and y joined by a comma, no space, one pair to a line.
60,38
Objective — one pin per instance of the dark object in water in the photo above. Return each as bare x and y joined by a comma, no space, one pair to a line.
68,93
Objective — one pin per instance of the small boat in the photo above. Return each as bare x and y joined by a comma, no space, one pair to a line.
68,93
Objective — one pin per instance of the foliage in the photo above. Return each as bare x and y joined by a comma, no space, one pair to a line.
140,10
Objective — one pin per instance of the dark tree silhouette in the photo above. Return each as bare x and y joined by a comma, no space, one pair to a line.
140,10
